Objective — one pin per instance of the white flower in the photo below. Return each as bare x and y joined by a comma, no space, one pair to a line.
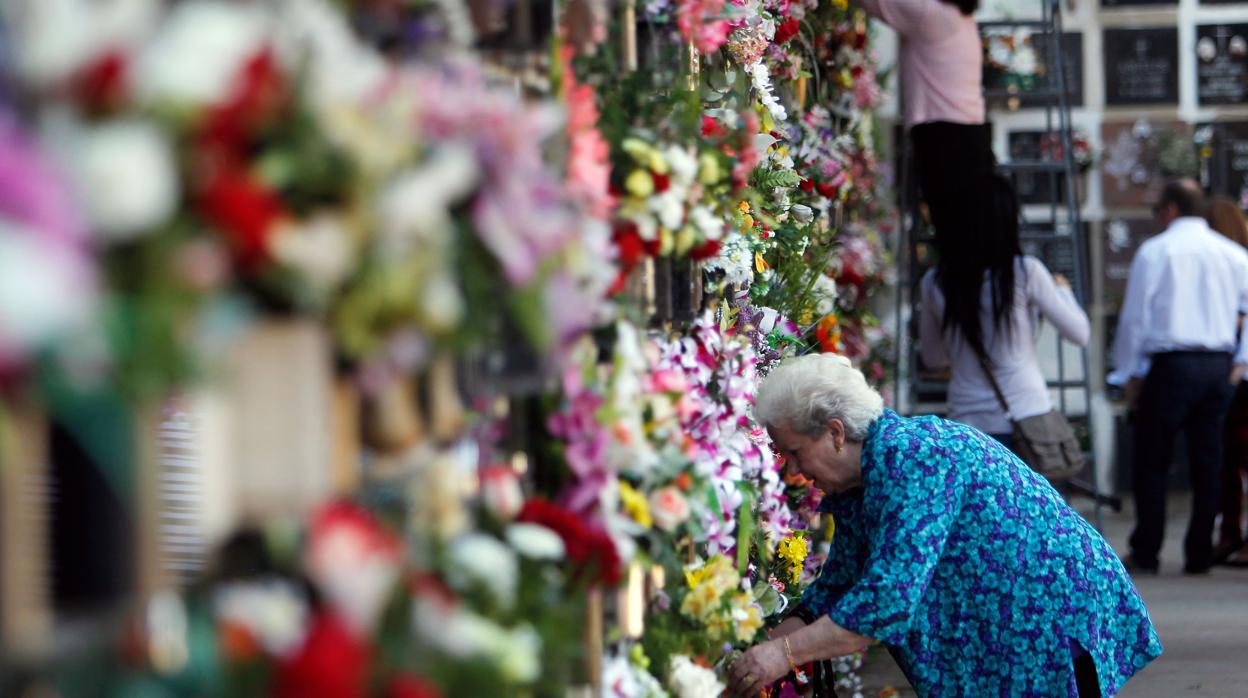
441,303
669,208
127,176
199,50
688,680
45,291
464,634
999,52
683,166
273,610
480,559
1023,62
535,541
319,249
52,39
707,223
415,208
338,68
825,294
623,679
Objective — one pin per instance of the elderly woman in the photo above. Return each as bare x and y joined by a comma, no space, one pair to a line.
964,562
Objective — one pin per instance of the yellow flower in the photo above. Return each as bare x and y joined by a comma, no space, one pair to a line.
841,5
807,317
747,617
709,171
760,264
635,505
793,550
639,183
685,239
700,601
747,223
667,242
743,206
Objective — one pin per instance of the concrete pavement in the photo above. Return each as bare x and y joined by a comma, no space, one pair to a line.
1202,621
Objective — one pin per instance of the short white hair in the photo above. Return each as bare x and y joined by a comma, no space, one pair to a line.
805,392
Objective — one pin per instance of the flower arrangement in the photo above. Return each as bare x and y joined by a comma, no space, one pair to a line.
1010,59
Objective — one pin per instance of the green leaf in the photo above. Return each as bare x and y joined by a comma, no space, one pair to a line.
745,531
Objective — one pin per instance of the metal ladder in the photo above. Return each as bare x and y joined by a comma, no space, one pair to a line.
1051,231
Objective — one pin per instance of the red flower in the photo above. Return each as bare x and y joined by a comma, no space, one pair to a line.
787,30
332,663
711,128
256,100
244,210
856,72
826,190
661,182
102,84
591,549
706,250
807,185
409,686
632,248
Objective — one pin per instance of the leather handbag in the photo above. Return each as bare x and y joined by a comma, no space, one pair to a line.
1046,442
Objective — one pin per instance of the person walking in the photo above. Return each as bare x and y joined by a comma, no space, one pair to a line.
1226,217
986,298
1176,354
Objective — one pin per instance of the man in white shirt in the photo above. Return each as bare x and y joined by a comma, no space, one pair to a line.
1178,356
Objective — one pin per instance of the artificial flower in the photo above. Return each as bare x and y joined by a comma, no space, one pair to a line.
500,492
535,542
635,505
127,176
793,550
332,662
354,563
669,508
688,680
480,560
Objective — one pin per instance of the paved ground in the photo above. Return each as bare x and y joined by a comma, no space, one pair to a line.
1202,621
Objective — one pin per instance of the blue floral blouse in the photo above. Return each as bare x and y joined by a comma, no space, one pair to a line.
974,571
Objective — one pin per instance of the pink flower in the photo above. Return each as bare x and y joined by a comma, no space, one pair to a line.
668,381
698,24
669,508
500,492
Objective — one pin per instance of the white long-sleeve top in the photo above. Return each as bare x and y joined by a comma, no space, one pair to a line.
1012,354
1186,289
941,59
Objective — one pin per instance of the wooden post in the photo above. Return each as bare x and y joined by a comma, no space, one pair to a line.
25,606
629,35
594,635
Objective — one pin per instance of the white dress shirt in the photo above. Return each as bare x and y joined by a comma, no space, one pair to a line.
1186,289
1012,354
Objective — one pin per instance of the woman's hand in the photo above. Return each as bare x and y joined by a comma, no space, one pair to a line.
761,666
790,625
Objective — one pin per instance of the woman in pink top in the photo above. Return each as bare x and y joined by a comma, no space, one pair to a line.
941,65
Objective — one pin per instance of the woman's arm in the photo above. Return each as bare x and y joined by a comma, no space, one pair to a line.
1056,303
932,347
767,662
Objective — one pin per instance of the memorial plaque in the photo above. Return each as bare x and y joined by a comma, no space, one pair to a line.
1227,165
1134,3
1131,174
1222,63
1121,239
1072,66
1033,187
1141,66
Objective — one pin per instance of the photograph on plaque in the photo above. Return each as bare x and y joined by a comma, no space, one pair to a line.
1224,156
1033,187
1072,66
1138,156
1141,66
1222,63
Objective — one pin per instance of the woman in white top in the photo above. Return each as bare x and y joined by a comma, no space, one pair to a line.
985,293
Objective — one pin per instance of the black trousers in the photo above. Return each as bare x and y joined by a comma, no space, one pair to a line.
948,155
1185,391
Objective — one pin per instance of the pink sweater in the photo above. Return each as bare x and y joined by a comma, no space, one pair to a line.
941,60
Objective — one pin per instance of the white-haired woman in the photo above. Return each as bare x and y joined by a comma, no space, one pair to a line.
964,562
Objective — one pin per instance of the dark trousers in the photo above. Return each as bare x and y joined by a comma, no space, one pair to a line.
1234,467
948,155
1185,391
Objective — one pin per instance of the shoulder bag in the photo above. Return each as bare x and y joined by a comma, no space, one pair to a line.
1046,442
